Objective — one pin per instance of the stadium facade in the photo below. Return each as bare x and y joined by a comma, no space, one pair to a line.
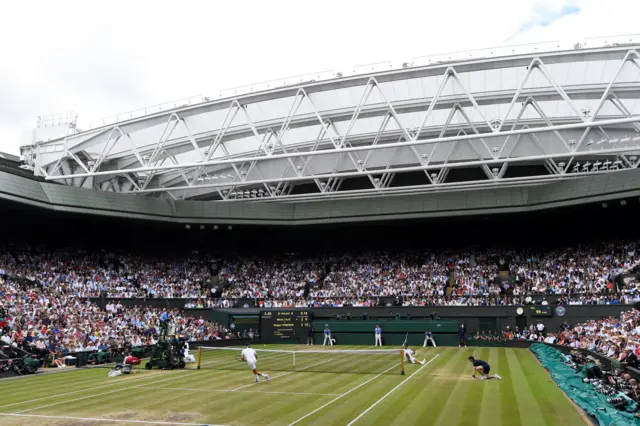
515,133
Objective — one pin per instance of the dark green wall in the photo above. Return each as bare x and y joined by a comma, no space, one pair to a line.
388,326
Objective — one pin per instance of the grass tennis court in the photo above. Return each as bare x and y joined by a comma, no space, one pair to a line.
441,392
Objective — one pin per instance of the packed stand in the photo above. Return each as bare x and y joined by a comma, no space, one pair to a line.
93,274
617,338
52,322
581,275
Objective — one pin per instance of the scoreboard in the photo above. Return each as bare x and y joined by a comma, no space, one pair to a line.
541,311
276,325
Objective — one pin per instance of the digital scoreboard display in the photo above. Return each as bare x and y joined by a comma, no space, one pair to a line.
277,325
541,311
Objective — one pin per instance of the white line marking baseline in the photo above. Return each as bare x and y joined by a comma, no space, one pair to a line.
92,419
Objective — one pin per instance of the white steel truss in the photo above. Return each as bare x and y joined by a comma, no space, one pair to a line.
311,152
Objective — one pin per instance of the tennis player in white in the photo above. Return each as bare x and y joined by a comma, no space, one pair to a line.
409,356
188,358
249,355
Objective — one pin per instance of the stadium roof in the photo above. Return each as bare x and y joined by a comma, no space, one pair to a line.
9,157
515,120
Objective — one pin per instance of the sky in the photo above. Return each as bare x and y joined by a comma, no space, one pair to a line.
101,58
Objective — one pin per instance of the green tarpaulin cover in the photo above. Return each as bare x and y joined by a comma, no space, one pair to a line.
583,394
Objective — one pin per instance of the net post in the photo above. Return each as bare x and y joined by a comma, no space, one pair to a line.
199,358
401,362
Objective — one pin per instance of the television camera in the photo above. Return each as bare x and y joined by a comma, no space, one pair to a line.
167,354
16,360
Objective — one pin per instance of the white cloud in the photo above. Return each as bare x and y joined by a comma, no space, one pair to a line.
102,58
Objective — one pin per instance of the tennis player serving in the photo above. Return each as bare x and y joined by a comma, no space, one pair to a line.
482,368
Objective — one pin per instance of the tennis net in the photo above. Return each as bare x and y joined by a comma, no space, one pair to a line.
327,361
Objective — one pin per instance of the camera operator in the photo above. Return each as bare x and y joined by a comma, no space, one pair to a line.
630,358
164,323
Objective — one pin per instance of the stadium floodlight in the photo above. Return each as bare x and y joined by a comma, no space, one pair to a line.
614,140
434,176
596,166
625,138
633,158
561,164
576,168
616,165
585,166
495,171
606,164
376,181
636,137
572,143
495,150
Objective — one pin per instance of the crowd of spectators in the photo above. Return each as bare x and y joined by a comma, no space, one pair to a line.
45,292
52,320
580,275
613,337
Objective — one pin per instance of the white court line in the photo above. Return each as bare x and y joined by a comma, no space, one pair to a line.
343,395
153,376
391,391
93,419
282,375
173,377
230,390
84,390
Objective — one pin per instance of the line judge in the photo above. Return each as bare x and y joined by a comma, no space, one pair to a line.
378,332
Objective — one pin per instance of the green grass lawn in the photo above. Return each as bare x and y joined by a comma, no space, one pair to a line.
440,393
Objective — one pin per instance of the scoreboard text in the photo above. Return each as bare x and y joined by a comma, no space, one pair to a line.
284,324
